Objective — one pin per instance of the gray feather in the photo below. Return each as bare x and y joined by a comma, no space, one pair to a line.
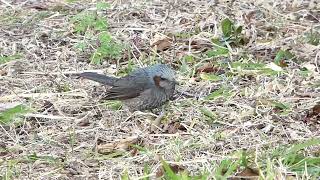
103,79
139,90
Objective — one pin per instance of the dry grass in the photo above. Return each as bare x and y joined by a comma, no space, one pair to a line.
59,138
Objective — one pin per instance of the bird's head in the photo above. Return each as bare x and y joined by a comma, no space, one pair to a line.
163,76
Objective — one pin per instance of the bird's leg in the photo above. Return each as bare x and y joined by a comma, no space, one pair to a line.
156,123
143,113
136,113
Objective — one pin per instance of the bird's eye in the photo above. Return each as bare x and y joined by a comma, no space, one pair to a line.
162,79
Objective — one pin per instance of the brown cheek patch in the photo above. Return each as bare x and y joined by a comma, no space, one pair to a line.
157,80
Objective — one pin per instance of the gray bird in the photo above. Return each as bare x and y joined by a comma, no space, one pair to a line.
143,89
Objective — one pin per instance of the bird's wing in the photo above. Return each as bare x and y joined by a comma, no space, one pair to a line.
128,87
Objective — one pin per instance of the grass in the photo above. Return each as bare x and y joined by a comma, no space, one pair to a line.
245,105
95,28
290,158
5,59
11,115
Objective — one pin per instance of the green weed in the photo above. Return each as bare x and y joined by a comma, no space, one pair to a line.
294,159
12,114
283,108
208,113
304,72
283,57
170,174
313,37
146,171
114,105
223,92
94,27
232,33
125,175
252,68
48,159
5,59
11,171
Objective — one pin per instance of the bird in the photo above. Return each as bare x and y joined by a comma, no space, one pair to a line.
143,89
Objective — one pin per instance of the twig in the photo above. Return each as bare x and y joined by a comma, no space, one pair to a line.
64,73
42,95
48,116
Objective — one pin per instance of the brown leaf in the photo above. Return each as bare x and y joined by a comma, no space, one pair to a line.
201,45
47,104
174,167
312,17
3,72
161,42
209,68
173,127
316,109
138,41
182,128
39,7
84,122
247,173
183,21
134,152
3,149
248,17
313,115
283,63
121,145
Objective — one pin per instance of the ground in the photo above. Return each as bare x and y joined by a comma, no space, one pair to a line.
240,110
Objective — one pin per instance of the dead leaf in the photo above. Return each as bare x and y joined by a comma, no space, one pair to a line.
3,72
174,167
312,16
283,63
183,21
247,173
46,5
39,7
202,45
47,106
3,149
172,127
313,115
139,42
84,122
182,128
134,152
209,68
156,123
248,17
161,42
316,109
122,145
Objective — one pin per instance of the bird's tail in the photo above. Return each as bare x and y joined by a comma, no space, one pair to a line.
107,80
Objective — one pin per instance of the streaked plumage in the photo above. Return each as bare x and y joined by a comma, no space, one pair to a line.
145,88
